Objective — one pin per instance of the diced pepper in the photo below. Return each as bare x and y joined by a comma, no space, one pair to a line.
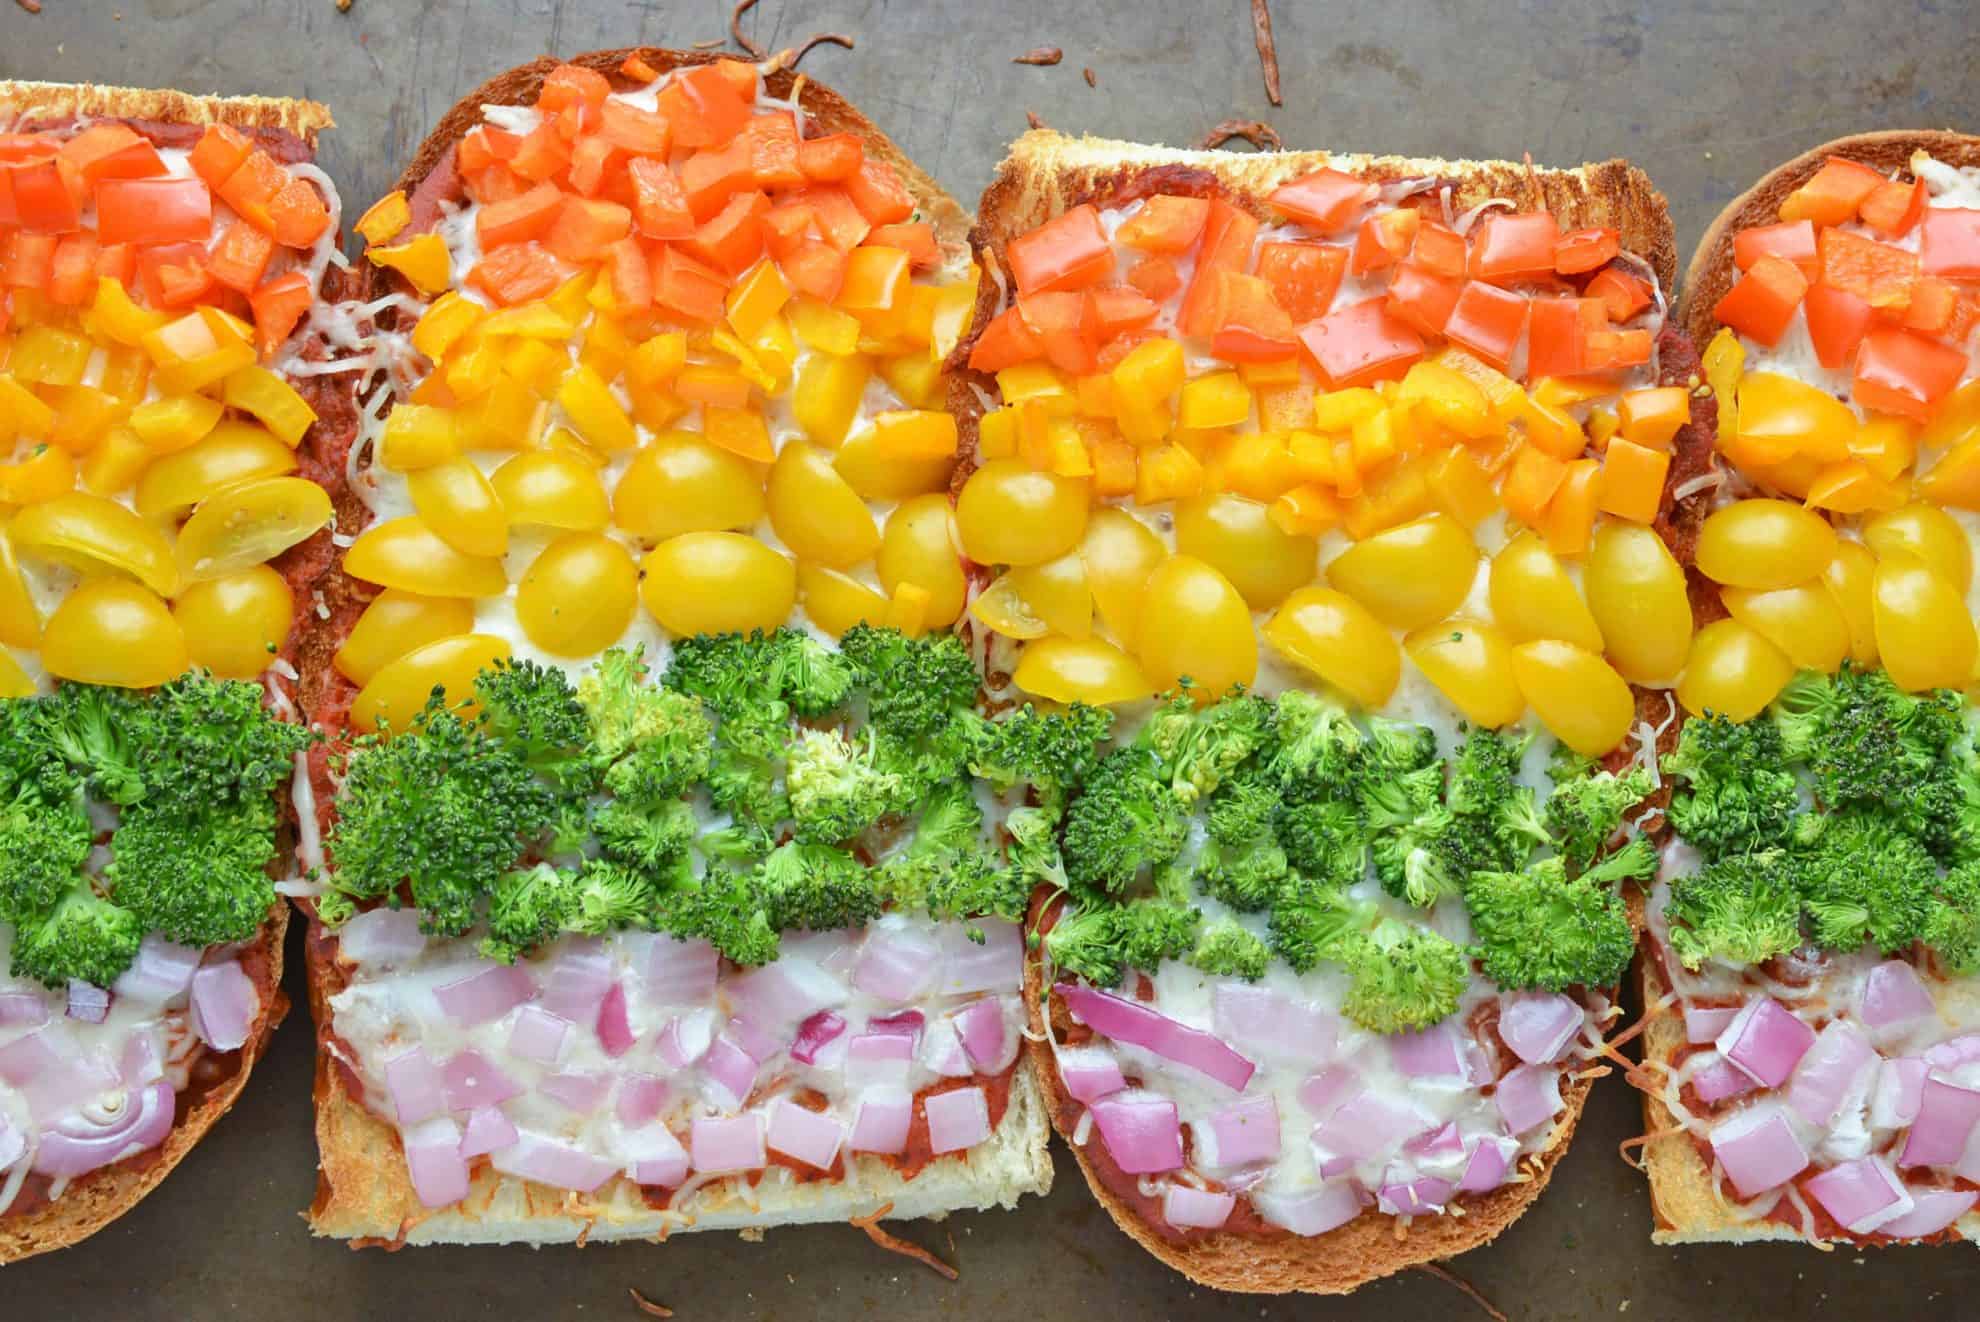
1488,321
1422,299
687,287
172,422
570,85
1143,383
1006,340
1228,233
712,175
876,189
1114,466
1900,372
241,257
1780,418
518,272
528,216
1932,303
917,240
660,206
1887,447
1059,321
299,214
1304,276
1553,429
832,158
739,430
910,434
1836,322
218,153
1439,250
1892,208
585,227
44,200
385,217
1327,200
1849,487
1586,250
1441,395
278,305
1633,480
1621,293
72,270
706,383
1166,223
1306,511
1514,247
1384,239
1569,525
1833,193
422,259
874,280
1155,277
594,412
1070,251
254,389
1950,243
1168,472
1217,400
1111,312
637,132
1530,484
542,154
417,436
111,151
1791,240
153,211
27,261
1361,344
1881,274
1762,303
1250,324
1461,487
1652,416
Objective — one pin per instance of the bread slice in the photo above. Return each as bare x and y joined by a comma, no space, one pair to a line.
1686,1207
95,1200
1045,174
363,1191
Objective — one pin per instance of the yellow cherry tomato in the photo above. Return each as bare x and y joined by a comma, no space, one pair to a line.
835,601
1001,608
1411,575
1764,544
1927,532
235,624
1057,591
717,582
1120,553
552,489
681,483
1011,514
394,624
1637,594
461,507
96,535
232,452
249,523
578,595
20,618
1338,639
879,476
1575,693
1194,625
14,681
920,546
1080,670
1239,538
1732,671
1533,597
1471,664
405,553
1924,634
399,691
816,513
113,631
1803,621
1849,578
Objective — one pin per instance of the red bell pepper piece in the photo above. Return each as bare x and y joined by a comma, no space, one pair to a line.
518,272
1004,342
1892,208
1070,251
1326,200
876,189
1790,239
241,257
1837,320
660,206
585,228
1833,193
684,286
278,305
916,239
634,131
732,239
1304,276
1251,326
1361,344
705,106
1059,319
1166,223
1950,245
833,158
1228,232
1621,293
1762,302
1156,277
1514,247
1586,250
1488,321
1904,373
519,219
1423,299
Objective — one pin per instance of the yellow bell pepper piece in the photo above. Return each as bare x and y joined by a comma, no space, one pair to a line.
1400,494
116,463
418,436
1569,526
757,297
255,389
1278,372
827,396
423,259
594,413
197,350
1114,464
1306,511
1037,382
1339,410
1652,416
1564,392
1218,400
917,380
385,218
22,412
536,321
1632,480
1259,465
1554,430
741,431
1530,484
875,277
776,352
451,316
940,314
113,316
1849,487
572,299
1168,472
1461,487
508,416
1448,398
46,356
82,415
1143,381
824,327
1602,427
910,434
43,475
1954,480
1284,408
997,434
1374,440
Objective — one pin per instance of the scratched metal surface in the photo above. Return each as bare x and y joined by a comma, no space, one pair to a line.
1704,94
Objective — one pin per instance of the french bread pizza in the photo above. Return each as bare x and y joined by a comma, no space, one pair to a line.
1811,955
1361,491
162,258
656,890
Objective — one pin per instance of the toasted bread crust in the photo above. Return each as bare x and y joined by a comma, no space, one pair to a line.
26,98
1711,271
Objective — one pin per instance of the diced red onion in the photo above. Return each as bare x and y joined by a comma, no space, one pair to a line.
1196,1209
161,973
1539,1025
680,972
882,1124
486,995
780,996
1954,1052
52,1076
759,1045
873,1058
23,1009
1862,1195
1895,1095
686,1039
539,1035
1759,1150
722,1145
487,1130
655,1156
418,1089
1268,1027
382,936
957,1119
904,1023
1136,1024
1314,1212
1437,1144
141,1061
832,951
1946,1116
1830,1072
27,1058
1321,1091
1429,1053
90,1004
986,1036
1766,1040
942,1051
433,1159
614,1027
1486,1168
1142,1133
808,1136
814,1033
1418,1197
577,979
1528,1096
1089,1073
576,1090
731,1074
895,966
549,1161
76,1145
1704,1023
1242,1134
224,1003
1369,1125
473,1082
639,1099
994,964
1892,995
1932,1210
13,1144
1716,1080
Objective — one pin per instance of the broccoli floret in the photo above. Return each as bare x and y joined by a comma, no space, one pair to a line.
1242,862
653,841
658,770
1404,977
1585,811
914,686
199,878
735,675
624,712
43,845
1155,930
1960,827
1318,753
723,908
1396,748
200,740
1100,943
1742,909
1227,950
1050,751
1539,928
91,727
746,788
946,865
1422,851
1952,929
1867,743
531,710
1487,798
977,885
836,790
1324,839
1034,848
1311,922
1733,792
739,843
1126,819
1863,879
83,937
1201,745
442,807
810,676
815,887
527,907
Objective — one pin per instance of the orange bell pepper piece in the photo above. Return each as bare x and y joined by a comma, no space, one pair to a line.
1004,342
705,107
1620,292
815,268
1166,223
173,274
1586,250
773,151
1112,312
249,189
572,85
876,189
519,219
1227,236
833,158
1790,239
278,305
685,286
543,153
1632,480
1488,321
72,270
1833,193
1932,304
1423,299
27,261
1384,239
1762,302
660,206
219,152
240,258
839,221
916,239
1881,274
1900,372
1251,326
111,151
518,272
585,228
1155,277
1439,250
485,145
630,273
1304,276
1326,199
1569,524
713,175
634,131
1070,251
299,214
1530,484
1059,321
1514,247
732,239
